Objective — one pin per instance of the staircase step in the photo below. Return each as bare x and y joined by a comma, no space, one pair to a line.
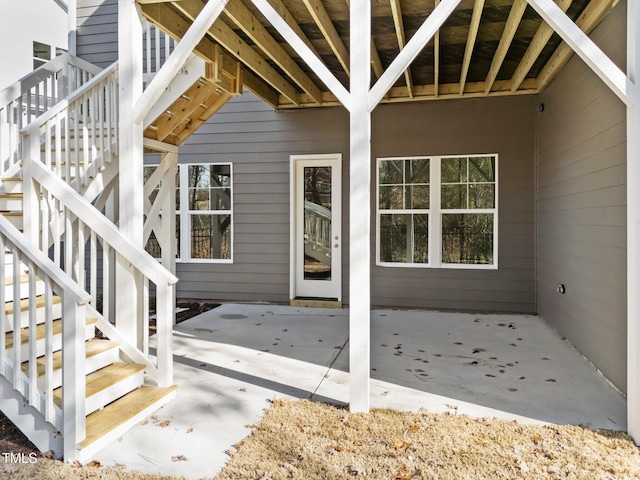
12,184
15,218
114,419
24,311
108,384
24,286
10,201
40,341
99,354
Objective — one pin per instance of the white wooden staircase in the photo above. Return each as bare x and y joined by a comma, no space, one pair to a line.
82,373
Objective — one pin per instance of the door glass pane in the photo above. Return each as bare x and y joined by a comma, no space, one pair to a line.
317,223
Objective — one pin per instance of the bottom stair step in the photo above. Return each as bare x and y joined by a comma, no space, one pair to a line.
124,413
107,384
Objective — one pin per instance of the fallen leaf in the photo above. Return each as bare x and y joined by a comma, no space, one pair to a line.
550,380
333,449
478,350
164,424
179,458
76,464
190,429
242,390
94,464
536,439
356,470
231,452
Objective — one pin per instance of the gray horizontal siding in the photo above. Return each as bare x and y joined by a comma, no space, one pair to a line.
260,141
581,207
97,34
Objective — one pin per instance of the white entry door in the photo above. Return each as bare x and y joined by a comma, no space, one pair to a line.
316,226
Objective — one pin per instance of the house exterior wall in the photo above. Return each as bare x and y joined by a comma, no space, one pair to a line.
259,142
581,207
23,23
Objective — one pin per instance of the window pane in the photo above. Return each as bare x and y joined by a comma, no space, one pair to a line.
454,196
482,169
209,199
417,196
453,170
404,238
481,195
390,171
390,197
418,170
211,237
467,238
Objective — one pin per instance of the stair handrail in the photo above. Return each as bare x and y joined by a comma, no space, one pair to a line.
51,186
33,95
79,133
72,423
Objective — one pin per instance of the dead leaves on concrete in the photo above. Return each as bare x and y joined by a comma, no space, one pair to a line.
304,440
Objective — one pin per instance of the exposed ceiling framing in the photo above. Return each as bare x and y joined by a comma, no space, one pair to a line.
486,47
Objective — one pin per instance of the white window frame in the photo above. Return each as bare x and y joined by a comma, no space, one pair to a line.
184,215
435,213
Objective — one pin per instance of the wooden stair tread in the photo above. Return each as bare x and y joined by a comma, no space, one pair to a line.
24,304
8,280
103,378
24,333
101,422
93,347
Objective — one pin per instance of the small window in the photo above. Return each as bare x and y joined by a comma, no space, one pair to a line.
437,211
41,54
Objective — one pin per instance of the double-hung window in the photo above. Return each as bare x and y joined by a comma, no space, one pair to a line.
437,211
204,213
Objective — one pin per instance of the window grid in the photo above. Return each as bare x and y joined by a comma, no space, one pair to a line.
481,222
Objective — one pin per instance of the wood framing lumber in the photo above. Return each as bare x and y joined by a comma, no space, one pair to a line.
471,42
322,19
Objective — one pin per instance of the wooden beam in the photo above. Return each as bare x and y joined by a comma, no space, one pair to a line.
175,25
322,19
213,105
471,42
252,27
436,59
425,33
587,21
286,16
510,28
592,55
538,42
225,36
177,58
307,55
396,13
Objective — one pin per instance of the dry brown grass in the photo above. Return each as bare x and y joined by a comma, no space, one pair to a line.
307,441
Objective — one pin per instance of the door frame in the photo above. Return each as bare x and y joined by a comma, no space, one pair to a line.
336,217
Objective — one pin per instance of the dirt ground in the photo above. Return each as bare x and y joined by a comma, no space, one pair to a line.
311,441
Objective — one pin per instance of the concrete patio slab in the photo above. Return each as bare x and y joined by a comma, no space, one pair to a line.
229,362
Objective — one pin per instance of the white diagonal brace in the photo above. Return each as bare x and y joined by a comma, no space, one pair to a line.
595,58
411,50
301,48
210,12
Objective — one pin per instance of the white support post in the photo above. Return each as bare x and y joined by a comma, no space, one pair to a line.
633,226
168,242
590,53
210,12
73,377
130,151
72,19
360,207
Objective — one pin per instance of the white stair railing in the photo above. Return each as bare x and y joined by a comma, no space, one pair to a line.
57,285
156,49
77,137
33,95
92,247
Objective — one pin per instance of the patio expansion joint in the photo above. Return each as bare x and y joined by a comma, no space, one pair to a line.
330,367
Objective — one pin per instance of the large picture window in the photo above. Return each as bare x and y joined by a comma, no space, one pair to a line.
437,211
204,213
